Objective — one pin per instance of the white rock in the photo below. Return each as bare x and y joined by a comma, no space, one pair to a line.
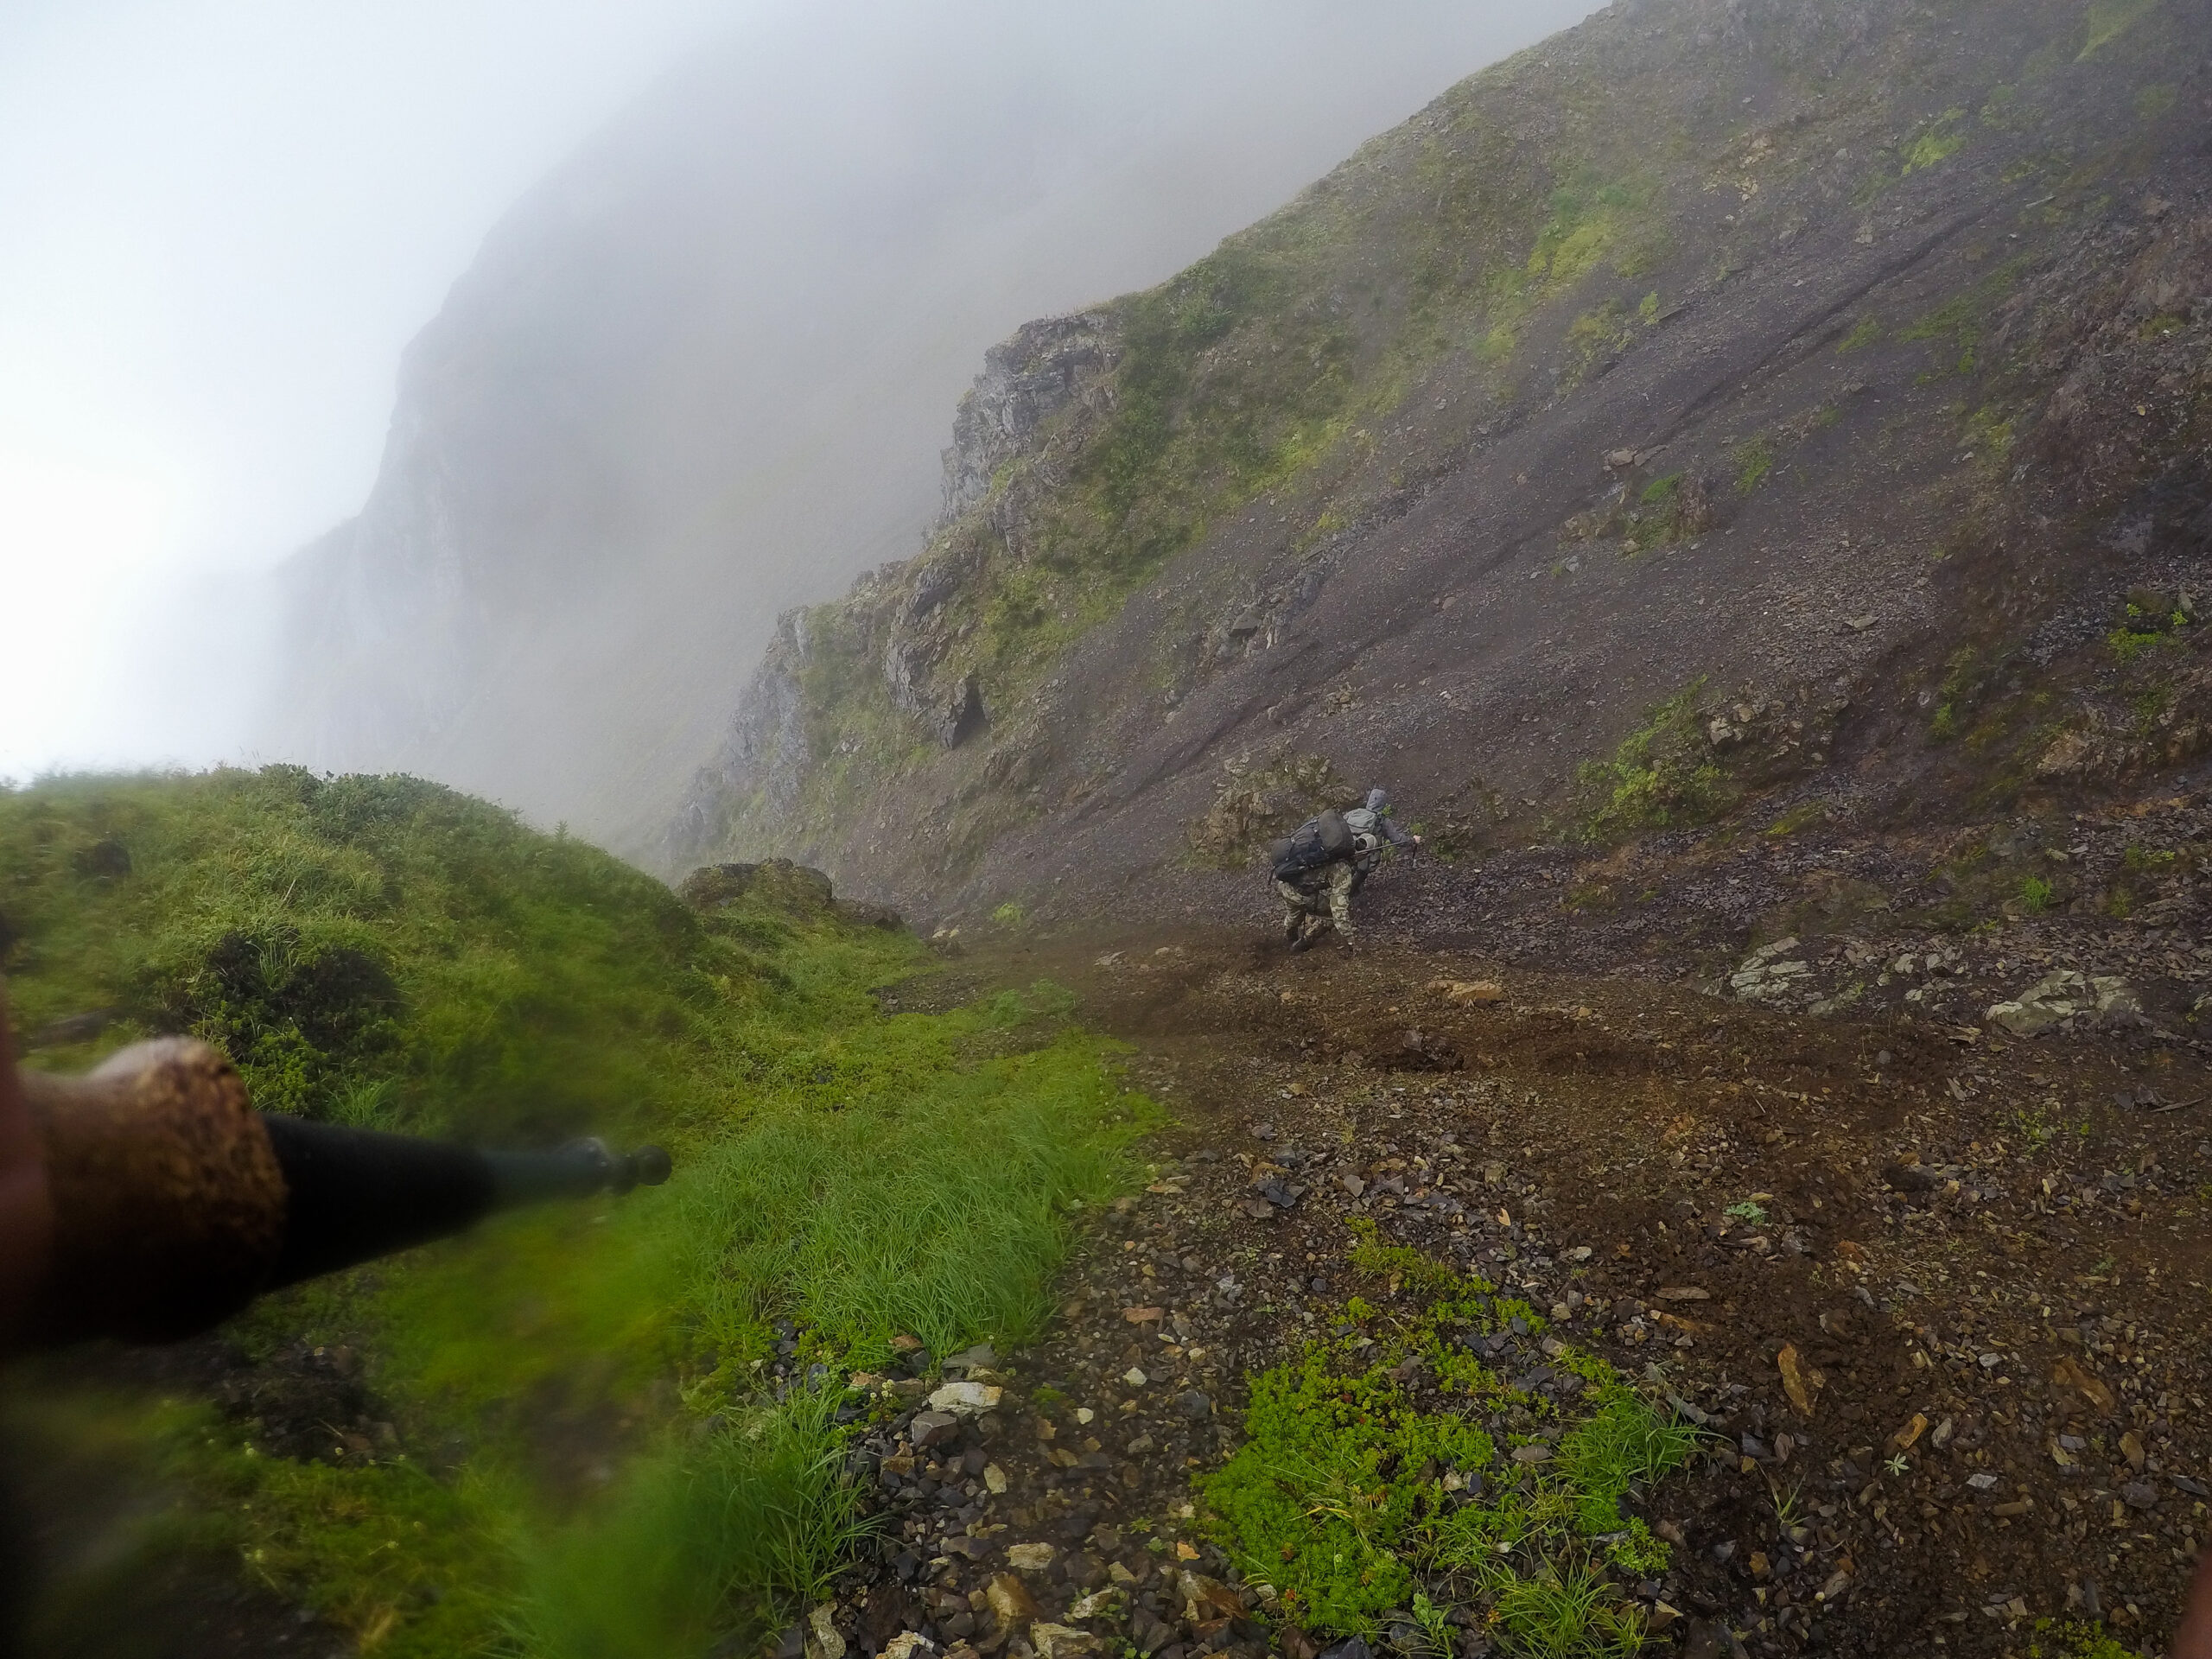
1134,1378
966,1399
1030,1557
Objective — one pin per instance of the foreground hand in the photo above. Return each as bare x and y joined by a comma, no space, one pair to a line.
26,1217
2194,1639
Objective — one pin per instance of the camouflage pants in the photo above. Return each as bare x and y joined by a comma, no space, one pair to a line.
1324,894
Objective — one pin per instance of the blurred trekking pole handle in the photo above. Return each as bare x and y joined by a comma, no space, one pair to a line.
166,1203
2194,1639
152,1201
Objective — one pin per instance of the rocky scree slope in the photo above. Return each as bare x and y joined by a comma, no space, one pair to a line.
1713,398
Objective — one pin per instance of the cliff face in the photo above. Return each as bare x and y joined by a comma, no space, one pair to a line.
1718,404
700,374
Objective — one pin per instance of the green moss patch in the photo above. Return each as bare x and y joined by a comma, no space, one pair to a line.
1451,1455
1662,774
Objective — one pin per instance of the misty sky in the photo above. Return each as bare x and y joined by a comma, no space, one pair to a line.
225,218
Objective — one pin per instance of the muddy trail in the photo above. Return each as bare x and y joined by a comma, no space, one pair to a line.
1934,1292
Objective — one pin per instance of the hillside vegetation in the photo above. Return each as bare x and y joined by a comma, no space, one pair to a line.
384,953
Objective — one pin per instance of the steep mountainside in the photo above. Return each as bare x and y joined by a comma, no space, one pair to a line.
700,374
1728,405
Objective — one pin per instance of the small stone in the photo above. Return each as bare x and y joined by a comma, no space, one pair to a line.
2068,1372
994,1479
1134,1378
1351,1183
1030,1557
1684,1294
966,1399
1983,1482
826,1642
1194,1404
1010,1599
1800,1381
1534,1454
906,1644
2140,1494
1061,1641
2131,1447
1207,1598
932,1427
1149,1632
1468,993
1100,1604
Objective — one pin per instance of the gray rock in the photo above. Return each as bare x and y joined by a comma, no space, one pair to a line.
1194,1404
932,1427
2065,994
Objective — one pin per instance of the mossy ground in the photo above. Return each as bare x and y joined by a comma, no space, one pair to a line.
1661,774
1379,1483
845,1175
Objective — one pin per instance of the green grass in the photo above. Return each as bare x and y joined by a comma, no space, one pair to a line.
1754,460
1661,775
2110,19
1358,1492
2076,1638
1939,142
1959,322
854,1175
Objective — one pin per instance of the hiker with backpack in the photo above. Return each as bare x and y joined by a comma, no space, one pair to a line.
1327,860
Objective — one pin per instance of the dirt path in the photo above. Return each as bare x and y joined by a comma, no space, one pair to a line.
1984,1260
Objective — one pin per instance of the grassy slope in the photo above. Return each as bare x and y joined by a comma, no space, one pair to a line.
383,951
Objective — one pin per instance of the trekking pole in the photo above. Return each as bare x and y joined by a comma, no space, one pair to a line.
175,1204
